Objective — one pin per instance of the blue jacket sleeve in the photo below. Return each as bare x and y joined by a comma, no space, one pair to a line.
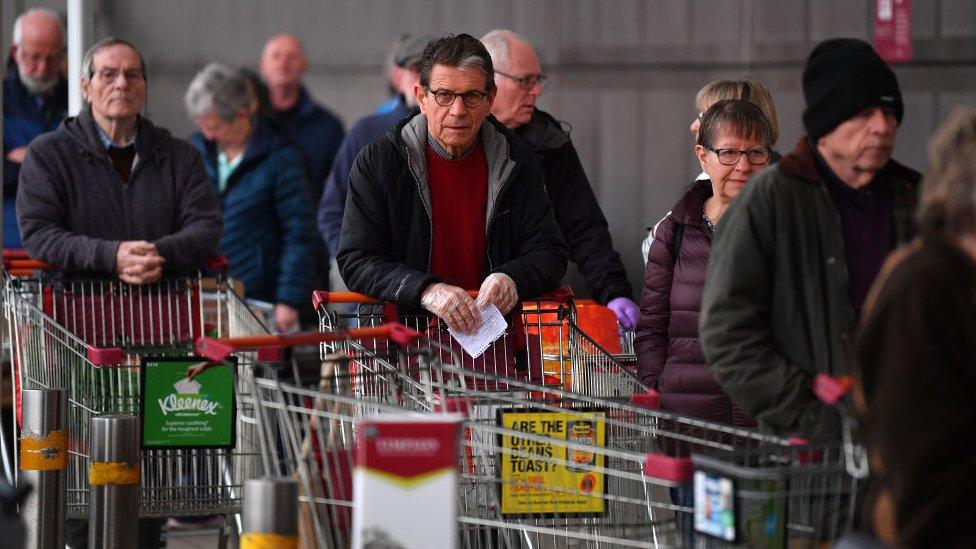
333,202
295,225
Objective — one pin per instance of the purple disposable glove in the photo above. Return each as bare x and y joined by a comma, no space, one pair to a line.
626,310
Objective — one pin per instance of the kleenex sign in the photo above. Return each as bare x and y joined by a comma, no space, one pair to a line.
181,410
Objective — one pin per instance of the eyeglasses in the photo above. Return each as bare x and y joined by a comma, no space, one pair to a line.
730,157
526,82
109,75
472,99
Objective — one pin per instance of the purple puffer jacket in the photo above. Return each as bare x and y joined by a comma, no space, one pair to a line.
669,354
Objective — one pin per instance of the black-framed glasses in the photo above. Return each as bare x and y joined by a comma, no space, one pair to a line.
471,99
526,82
730,157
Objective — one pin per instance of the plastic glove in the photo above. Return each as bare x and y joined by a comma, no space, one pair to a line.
453,305
626,310
498,289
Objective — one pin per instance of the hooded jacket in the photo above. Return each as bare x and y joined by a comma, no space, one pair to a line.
385,243
576,209
268,229
75,209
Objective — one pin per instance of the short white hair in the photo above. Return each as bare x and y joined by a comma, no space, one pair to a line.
44,12
498,42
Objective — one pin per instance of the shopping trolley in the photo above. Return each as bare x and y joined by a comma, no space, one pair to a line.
92,337
608,488
544,343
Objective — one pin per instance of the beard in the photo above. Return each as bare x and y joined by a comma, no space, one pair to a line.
35,86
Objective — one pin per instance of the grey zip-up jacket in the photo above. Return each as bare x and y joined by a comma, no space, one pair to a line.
385,242
74,209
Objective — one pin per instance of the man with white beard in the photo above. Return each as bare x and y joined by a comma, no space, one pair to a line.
35,99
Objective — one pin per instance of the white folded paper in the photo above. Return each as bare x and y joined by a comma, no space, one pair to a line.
492,327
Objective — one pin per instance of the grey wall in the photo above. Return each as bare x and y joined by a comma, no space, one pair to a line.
624,72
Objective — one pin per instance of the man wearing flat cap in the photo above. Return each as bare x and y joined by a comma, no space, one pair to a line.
796,253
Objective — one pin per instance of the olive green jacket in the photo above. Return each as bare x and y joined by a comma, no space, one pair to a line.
776,309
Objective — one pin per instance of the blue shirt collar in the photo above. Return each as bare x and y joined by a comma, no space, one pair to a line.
107,141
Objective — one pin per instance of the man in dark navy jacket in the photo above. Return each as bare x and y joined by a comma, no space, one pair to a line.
35,99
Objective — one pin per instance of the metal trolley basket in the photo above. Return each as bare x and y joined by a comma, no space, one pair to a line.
90,337
544,344
614,487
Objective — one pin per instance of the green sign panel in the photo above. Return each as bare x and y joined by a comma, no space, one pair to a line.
178,412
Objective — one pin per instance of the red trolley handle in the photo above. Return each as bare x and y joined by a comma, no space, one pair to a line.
17,263
561,294
218,349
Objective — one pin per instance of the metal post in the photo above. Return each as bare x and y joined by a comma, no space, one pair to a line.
113,476
77,11
270,513
43,461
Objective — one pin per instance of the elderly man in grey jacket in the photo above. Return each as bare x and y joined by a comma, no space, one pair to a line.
109,192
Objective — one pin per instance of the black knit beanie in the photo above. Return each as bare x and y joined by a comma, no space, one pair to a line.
842,77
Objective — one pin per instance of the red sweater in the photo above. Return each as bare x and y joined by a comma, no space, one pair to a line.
459,197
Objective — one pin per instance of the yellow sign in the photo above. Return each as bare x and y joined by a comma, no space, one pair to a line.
542,476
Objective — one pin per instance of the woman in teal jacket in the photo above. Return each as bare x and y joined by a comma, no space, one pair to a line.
260,181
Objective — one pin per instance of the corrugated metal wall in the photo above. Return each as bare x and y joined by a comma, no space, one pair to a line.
624,72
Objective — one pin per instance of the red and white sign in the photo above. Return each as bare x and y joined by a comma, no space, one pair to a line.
405,482
893,30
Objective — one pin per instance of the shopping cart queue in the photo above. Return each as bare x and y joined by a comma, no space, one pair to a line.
770,272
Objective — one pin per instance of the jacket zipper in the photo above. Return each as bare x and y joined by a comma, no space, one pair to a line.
491,218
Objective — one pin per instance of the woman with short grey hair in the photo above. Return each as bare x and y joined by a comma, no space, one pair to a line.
260,180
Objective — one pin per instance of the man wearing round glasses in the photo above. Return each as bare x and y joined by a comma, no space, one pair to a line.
450,201
519,79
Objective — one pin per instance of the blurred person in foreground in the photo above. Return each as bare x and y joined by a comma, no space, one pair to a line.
735,144
450,201
916,363
261,186
109,192
747,89
35,100
795,254
406,75
519,81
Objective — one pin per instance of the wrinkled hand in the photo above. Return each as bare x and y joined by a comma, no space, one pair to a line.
627,312
453,305
138,262
17,155
286,318
498,289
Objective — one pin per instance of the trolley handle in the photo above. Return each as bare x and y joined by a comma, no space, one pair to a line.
218,349
831,389
17,263
560,294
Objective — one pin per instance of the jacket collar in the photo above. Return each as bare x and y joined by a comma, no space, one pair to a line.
57,99
82,128
543,132
263,141
801,162
690,209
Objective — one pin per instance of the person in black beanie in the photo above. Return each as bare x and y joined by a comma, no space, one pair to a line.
796,253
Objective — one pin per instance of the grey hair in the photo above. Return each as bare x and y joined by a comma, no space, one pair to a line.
46,12
459,51
218,89
498,42
88,61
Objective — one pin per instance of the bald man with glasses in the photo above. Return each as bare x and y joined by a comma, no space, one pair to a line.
519,81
